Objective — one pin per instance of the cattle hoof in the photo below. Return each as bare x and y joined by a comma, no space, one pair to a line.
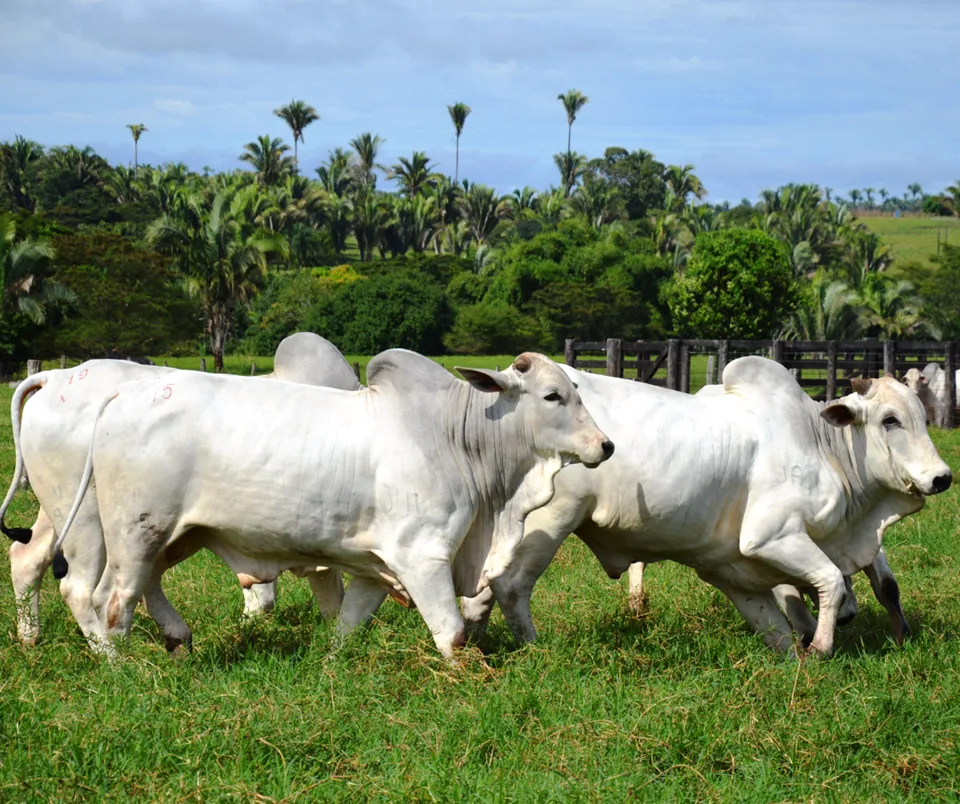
60,566
846,620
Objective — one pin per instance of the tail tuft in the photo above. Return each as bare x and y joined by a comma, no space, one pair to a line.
22,535
60,566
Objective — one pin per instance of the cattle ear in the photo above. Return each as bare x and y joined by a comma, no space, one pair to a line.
492,382
839,414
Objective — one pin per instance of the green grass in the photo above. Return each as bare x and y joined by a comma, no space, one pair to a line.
684,704
914,238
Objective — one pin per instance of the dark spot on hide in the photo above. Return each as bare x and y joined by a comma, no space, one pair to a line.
113,611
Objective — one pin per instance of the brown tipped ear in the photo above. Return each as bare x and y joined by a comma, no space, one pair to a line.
839,414
523,363
889,376
861,385
491,382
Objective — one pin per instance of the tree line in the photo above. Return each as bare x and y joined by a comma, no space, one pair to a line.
157,259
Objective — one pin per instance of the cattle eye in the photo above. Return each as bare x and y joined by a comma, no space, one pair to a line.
553,396
891,423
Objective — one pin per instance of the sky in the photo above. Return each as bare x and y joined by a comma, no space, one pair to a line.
753,93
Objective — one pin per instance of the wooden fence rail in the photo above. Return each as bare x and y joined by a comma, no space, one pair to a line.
823,367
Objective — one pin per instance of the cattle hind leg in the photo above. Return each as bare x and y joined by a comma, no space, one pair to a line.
762,613
28,563
887,591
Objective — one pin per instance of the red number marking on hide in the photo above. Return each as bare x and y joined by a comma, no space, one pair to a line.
62,399
83,374
70,381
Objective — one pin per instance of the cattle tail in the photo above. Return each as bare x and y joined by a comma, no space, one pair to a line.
24,389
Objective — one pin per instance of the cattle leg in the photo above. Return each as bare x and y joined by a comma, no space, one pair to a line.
28,563
360,602
259,599
761,612
476,612
430,585
327,588
176,632
635,587
795,554
887,591
792,603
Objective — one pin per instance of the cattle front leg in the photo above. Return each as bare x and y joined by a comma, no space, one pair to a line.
28,563
476,612
635,588
792,603
327,588
430,585
360,602
887,591
259,599
176,633
794,553
761,612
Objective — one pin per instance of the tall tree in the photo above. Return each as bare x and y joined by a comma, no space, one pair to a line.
22,264
221,253
571,166
15,159
297,115
137,130
573,101
413,175
367,146
458,115
266,155
683,182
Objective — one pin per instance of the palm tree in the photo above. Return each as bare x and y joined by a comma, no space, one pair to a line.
15,159
884,194
266,155
830,312
571,167
458,115
371,215
597,201
482,209
915,190
220,251
951,198
413,175
868,193
682,181
136,129
367,146
573,101
335,172
22,264
298,115
855,196
523,201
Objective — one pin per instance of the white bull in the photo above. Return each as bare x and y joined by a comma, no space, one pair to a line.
754,486
57,423
417,485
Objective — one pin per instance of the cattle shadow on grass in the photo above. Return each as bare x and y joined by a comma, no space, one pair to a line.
871,633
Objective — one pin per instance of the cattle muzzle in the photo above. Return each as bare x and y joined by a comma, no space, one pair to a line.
607,449
942,482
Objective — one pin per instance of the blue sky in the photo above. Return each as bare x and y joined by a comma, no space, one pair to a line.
754,93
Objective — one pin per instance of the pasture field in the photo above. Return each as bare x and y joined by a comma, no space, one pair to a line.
914,238
682,704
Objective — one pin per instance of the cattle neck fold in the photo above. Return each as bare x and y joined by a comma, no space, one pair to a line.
490,446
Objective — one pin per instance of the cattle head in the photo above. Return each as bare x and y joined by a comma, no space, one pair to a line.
914,380
554,416
898,452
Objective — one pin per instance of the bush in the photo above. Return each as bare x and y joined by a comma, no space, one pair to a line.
738,283
492,329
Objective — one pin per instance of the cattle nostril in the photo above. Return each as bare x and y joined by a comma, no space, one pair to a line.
607,447
942,482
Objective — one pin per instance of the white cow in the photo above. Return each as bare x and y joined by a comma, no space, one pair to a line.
57,423
933,405
753,486
936,381
417,485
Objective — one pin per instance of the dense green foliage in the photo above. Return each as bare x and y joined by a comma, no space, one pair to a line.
441,263
683,704
737,280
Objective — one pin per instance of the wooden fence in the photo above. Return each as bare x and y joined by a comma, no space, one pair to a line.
823,368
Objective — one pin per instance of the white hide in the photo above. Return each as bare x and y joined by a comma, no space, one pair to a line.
751,485
417,485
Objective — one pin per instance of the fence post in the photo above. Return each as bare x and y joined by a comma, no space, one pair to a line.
356,369
723,351
569,353
203,364
614,363
776,352
63,361
685,369
253,368
950,390
831,370
890,358
712,370
34,367
165,365
673,364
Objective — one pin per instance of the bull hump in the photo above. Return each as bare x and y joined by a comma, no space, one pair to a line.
407,371
747,374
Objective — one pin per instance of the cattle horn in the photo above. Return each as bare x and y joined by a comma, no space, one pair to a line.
861,385
523,363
